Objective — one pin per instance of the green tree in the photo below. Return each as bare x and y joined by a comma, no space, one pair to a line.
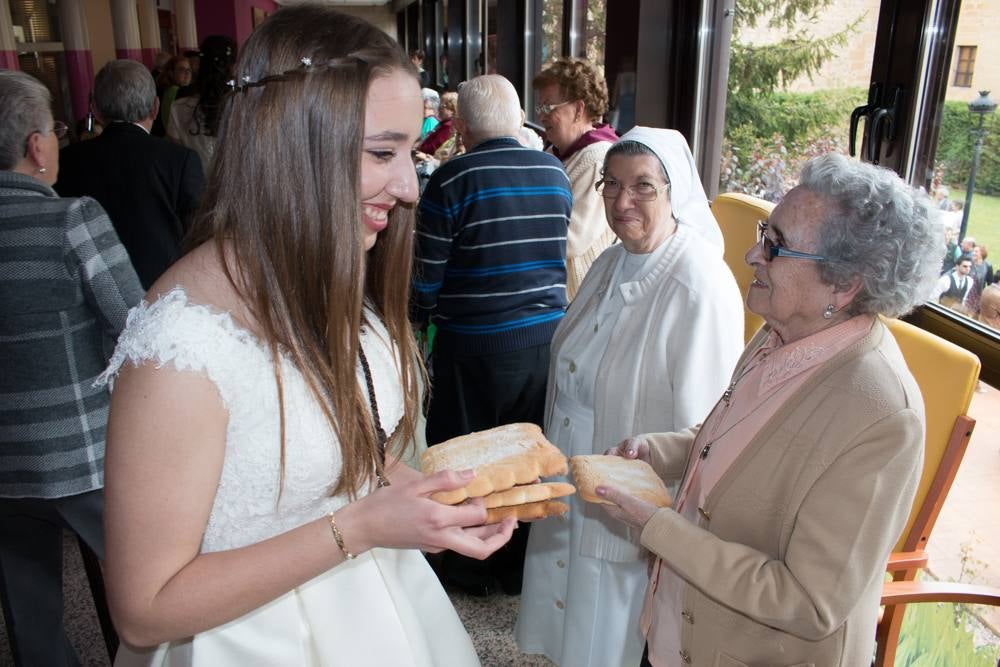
756,69
770,131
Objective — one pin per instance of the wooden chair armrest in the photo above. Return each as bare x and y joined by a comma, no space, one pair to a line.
906,592
906,560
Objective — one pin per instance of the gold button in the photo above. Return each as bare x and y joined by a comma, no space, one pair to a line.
686,657
702,511
560,605
572,367
561,563
687,616
566,421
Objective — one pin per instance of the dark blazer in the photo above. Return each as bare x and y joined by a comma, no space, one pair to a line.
149,186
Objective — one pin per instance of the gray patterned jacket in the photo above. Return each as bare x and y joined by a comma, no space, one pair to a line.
66,285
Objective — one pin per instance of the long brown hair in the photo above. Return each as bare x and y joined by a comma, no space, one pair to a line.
285,199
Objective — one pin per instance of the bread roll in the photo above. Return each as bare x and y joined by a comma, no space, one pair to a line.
529,493
502,457
632,476
527,511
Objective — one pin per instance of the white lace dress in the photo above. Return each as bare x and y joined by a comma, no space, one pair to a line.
385,607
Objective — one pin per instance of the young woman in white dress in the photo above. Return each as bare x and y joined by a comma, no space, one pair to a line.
651,338
256,514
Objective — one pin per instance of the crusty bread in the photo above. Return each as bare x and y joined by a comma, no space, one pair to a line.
630,475
527,511
528,493
502,458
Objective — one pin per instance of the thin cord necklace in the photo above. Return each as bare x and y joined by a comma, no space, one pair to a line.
381,479
727,397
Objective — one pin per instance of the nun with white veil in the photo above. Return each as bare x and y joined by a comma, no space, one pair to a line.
648,345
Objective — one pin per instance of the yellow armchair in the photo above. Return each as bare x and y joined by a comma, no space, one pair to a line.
947,376
737,215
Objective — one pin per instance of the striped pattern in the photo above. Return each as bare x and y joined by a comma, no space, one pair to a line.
491,248
66,285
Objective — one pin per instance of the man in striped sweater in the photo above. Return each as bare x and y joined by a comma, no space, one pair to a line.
491,275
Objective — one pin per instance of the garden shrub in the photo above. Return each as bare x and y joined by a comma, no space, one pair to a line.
955,146
769,137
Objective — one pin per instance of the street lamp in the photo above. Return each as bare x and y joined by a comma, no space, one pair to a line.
981,106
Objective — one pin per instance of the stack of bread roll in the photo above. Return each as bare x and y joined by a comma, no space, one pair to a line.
509,462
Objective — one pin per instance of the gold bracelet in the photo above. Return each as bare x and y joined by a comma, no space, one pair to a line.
338,537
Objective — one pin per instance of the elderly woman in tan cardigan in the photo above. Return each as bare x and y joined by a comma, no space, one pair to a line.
799,482
572,99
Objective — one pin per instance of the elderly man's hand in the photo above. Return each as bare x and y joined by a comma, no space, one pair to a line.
631,448
627,509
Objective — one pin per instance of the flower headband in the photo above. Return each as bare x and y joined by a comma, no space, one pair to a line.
305,67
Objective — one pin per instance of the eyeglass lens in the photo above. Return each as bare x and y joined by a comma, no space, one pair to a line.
638,192
545,109
766,243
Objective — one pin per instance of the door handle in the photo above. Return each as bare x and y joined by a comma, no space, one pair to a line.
874,99
884,125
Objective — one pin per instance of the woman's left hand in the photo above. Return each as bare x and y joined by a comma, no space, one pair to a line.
399,472
627,509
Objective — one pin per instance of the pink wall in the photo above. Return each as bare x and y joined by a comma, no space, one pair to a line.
129,54
244,16
80,70
148,56
215,17
233,18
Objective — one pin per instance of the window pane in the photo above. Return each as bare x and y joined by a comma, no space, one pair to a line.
552,28
491,37
34,21
965,66
50,69
596,22
793,83
968,151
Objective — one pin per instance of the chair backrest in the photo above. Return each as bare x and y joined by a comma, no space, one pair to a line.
738,215
947,376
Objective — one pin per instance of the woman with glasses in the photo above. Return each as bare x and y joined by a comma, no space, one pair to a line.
648,344
797,485
194,119
176,75
572,98
66,284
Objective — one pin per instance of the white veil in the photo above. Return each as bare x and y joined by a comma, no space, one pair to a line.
687,196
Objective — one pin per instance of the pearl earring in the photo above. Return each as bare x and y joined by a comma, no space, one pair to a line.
42,170
828,313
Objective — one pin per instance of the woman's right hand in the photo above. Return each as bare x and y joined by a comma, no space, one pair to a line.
403,516
635,447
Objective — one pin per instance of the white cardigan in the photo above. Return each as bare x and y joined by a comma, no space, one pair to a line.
589,233
672,352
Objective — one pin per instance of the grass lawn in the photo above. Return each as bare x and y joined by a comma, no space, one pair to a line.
984,220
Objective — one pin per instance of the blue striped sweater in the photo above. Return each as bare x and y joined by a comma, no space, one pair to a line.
491,248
